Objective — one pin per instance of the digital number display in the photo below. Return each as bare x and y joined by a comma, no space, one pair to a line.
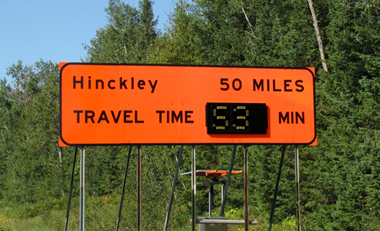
236,118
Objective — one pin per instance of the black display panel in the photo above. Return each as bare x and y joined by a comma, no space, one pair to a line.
236,118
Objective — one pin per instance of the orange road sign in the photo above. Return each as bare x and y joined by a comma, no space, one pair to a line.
61,143
108,104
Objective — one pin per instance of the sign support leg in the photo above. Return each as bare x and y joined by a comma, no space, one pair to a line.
82,199
298,196
276,188
139,187
71,190
193,188
228,181
246,219
173,188
222,191
123,189
210,199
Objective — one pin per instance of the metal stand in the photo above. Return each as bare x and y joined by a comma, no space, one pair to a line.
210,198
71,190
228,181
276,189
222,191
211,193
82,199
173,188
123,189
218,223
193,188
139,187
298,196
246,219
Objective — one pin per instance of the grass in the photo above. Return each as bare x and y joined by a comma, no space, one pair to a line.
101,214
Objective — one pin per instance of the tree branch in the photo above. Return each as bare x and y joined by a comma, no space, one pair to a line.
318,34
249,23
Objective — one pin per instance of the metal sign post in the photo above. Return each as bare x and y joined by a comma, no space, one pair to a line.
82,199
139,187
71,190
298,198
193,188
246,219
123,188
276,188
224,199
173,188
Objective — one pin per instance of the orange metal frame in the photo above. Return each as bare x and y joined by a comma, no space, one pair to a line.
212,174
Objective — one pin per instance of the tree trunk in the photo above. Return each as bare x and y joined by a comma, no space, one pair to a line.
62,178
318,34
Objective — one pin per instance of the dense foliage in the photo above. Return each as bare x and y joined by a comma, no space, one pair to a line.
340,177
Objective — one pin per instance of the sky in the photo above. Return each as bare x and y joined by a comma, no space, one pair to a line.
56,30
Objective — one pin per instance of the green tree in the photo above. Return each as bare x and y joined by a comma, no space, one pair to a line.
128,36
33,162
206,33
346,115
